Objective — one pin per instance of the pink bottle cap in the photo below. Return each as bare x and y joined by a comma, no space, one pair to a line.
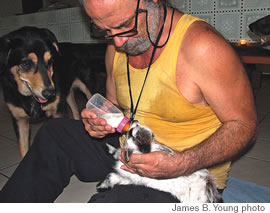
122,124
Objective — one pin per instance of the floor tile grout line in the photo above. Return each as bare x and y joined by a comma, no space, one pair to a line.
264,117
8,138
261,90
254,158
7,167
262,138
1,174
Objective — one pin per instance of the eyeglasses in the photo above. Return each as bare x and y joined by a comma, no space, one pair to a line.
98,33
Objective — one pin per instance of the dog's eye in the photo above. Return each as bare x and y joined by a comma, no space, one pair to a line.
26,64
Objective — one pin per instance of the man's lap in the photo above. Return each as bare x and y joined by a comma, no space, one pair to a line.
132,194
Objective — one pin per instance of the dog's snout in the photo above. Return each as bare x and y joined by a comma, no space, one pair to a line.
47,93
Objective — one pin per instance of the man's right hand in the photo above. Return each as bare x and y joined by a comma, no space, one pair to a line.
95,126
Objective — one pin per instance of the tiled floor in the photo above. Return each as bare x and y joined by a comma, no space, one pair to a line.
254,166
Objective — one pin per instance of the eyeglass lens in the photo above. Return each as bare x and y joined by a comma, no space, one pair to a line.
96,32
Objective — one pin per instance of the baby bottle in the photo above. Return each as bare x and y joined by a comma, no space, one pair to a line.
103,108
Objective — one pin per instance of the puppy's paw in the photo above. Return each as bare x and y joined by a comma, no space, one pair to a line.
116,152
162,148
103,186
167,149
111,149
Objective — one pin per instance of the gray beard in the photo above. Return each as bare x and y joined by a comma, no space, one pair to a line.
136,47
140,45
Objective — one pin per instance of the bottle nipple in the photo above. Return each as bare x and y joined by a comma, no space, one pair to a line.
123,125
126,127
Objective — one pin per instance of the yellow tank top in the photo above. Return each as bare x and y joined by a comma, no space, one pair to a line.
174,121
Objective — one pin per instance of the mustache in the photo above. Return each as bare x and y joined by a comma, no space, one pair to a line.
135,47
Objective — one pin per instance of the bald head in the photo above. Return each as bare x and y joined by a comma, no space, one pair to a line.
118,16
98,9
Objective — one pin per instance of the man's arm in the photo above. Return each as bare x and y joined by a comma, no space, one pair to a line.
224,86
217,79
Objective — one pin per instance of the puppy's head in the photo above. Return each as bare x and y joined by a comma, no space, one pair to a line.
261,27
139,139
26,57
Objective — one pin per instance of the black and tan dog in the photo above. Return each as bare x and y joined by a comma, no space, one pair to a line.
261,27
38,76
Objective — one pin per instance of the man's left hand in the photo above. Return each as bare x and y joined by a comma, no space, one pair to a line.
158,165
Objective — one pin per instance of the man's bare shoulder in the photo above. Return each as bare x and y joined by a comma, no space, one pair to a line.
205,59
203,46
201,39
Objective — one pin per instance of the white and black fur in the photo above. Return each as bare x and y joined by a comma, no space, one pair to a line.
199,186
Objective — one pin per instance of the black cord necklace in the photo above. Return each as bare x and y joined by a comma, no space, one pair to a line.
132,110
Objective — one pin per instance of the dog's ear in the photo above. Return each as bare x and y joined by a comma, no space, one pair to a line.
5,46
51,38
7,43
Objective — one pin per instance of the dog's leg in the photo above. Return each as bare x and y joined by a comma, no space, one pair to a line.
83,88
21,127
24,136
72,104
71,99
51,109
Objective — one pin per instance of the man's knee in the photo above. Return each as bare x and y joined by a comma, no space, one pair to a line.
51,133
58,123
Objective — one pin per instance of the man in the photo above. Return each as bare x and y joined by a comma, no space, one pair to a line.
172,72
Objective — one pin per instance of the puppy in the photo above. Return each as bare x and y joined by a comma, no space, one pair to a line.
34,81
261,28
197,187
